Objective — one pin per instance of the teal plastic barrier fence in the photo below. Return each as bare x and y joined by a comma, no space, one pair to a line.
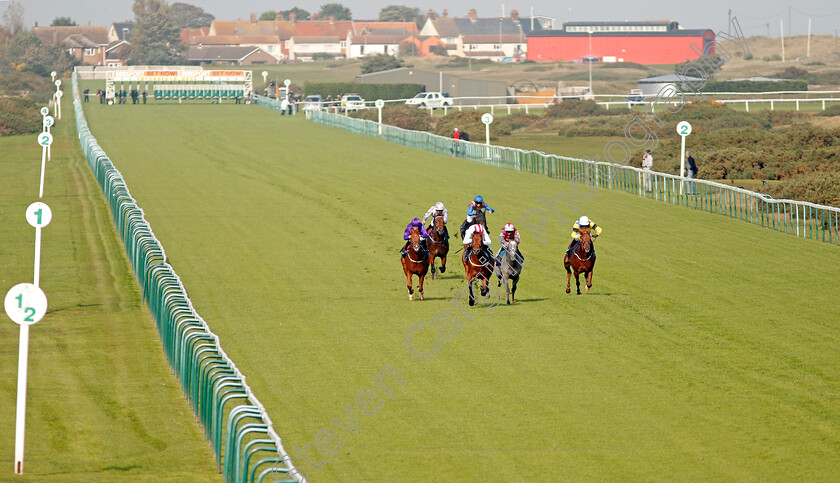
799,218
246,446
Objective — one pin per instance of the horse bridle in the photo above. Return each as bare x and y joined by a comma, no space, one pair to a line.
591,251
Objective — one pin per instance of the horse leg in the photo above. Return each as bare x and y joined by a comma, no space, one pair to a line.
410,290
485,290
432,265
577,281
513,289
589,279
420,286
442,264
568,275
472,297
507,288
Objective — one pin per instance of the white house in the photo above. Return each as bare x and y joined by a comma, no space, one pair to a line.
303,48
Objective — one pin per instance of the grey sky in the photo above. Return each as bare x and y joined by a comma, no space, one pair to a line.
754,15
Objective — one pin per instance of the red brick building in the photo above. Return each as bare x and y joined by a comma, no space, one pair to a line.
649,42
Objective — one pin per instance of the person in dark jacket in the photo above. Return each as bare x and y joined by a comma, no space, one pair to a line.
690,172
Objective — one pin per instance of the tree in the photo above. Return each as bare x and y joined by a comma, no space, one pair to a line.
380,62
32,56
335,10
63,22
407,48
156,36
400,13
268,15
300,14
13,18
190,16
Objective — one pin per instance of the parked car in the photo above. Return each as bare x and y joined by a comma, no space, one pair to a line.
430,100
636,96
352,102
313,103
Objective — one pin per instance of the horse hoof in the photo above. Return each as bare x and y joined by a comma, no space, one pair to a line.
472,302
568,290
587,289
508,302
410,297
442,269
421,297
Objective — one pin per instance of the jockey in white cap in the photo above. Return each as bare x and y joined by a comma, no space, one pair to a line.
509,233
438,209
583,223
485,239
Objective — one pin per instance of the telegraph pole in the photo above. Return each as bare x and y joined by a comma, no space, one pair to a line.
729,25
789,24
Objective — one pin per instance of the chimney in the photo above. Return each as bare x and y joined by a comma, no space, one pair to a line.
431,14
473,15
514,14
253,18
36,24
332,20
292,18
278,17
445,12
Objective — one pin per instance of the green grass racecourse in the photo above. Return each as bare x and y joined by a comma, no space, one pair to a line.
707,349
102,405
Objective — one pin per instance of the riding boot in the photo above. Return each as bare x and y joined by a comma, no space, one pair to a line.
467,251
424,247
404,250
445,234
520,256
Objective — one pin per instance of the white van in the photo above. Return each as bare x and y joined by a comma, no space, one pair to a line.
430,100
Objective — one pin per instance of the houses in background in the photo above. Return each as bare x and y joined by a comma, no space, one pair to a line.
509,38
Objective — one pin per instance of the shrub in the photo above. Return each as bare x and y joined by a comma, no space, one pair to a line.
399,115
771,58
831,111
322,56
756,86
19,116
574,108
380,62
818,187
469,121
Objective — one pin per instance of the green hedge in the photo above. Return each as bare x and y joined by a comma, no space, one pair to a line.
369,92
751,86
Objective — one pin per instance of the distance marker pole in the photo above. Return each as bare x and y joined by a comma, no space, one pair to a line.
683,129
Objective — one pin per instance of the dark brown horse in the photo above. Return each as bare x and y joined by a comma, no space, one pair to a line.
582,260
479,265
415,262
438,244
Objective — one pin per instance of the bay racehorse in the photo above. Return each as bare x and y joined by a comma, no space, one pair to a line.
479,265
438,244
509,268
582,260
415,262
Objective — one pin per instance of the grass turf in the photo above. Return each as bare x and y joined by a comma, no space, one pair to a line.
102,405
706,350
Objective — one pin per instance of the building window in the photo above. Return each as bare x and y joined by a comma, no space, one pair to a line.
497,46
362,49
286,43
71,51
473,46
342,44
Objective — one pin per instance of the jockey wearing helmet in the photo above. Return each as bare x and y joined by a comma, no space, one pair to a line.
438,209
583,223
475,206
509,233
415,223
485,240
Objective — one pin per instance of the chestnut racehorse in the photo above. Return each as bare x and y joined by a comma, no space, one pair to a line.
438,244
582,261
478,266
415,262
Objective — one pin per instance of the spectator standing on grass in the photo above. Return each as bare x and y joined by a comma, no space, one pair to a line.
87,94
145,95
456,136
647,165
284,106
690,172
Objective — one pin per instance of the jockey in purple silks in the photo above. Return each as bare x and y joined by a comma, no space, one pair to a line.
415,223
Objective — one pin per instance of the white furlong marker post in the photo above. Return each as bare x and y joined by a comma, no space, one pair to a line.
487,119
58,95
44,139
683,129
26,305
379,105
48,122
